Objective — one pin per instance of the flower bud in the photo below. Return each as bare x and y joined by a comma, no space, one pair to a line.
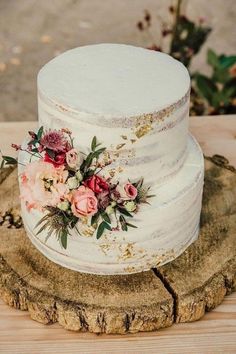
79,176
109,210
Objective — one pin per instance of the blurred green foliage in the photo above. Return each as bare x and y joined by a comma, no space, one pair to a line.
219,89
214,94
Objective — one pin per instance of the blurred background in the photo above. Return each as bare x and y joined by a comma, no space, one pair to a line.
200,33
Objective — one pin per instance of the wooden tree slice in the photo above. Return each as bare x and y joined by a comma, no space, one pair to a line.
180,291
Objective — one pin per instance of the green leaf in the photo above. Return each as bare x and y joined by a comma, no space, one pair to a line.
106,217
99,152
123,223
63,235
131,225
94,143
107,226
51,153
220,75
95,218
227,61
89,173
230,88
212,59
100,229
40,133
89,159
206,87
124,212
9,160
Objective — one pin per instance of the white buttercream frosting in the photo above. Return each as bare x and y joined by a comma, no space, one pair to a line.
113,80
136,102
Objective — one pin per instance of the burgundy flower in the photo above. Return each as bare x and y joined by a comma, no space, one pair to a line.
16,147
32,134
56,141
57,161
97,184
103,200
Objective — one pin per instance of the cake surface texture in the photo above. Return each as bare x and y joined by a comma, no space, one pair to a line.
136,102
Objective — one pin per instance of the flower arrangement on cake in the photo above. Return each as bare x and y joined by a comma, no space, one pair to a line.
68,187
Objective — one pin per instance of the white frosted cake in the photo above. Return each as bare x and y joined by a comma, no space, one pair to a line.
136,102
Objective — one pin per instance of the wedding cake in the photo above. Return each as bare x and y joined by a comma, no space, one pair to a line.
111,183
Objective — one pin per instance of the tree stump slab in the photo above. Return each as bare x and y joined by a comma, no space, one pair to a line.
180,291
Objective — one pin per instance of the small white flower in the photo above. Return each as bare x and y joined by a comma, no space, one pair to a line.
72,182
72,158
63,205
130,206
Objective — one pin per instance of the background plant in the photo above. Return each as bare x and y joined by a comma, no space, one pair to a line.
214,94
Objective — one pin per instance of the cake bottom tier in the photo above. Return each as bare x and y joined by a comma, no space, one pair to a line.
164,229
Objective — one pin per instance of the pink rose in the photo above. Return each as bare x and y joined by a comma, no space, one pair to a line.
72,158
97,184
84,202
126,191
55,140
43,185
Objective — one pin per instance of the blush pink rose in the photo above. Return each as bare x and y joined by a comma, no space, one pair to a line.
84,202
42,185
126,191
72,158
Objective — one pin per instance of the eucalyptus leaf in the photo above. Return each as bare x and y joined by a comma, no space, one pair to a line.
100,229
106,217
124,212
95,218
123,223
63,235
131,225
40,133
94,143
9,160
107,226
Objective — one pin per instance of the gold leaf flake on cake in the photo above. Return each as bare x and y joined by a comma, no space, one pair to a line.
130,269
127,252
143,130
105,248
112,172
124,137
120,169
133,140
120,146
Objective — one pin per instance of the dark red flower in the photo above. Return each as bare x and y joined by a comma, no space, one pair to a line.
103,200
32,134
57,161
97,184
16,147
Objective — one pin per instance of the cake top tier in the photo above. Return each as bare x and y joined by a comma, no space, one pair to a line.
113,80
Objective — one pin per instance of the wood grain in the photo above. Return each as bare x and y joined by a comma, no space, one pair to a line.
215,333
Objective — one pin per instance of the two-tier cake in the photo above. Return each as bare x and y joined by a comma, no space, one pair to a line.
134,205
